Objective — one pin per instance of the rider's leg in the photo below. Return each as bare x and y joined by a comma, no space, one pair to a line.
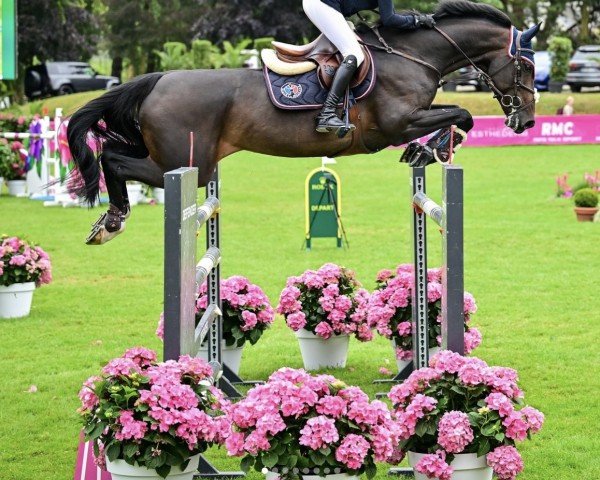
335,27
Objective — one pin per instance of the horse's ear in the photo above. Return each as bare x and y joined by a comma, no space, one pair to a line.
528,35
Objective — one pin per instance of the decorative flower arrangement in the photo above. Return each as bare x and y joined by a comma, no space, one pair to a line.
300,423
13,160
390,310
157,415
563,189
326,302
461,405
23,262
247,312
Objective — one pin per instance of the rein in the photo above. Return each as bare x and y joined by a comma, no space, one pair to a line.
515,102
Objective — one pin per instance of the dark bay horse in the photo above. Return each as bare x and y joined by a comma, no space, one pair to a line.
144,125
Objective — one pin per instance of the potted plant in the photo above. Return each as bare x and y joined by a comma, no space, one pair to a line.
152,419
460,415
247,313
324,307
23,267
299,424
560,49
586,204
390,312
13,166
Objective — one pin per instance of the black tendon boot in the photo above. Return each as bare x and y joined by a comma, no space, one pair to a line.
440,143
328,121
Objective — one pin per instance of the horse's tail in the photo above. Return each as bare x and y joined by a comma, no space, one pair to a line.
110,118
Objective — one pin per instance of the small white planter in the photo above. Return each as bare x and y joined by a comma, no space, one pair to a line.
320,353
17,188
121,470
231,356
403,363
134,192
159,195
273,475
466,466
15,300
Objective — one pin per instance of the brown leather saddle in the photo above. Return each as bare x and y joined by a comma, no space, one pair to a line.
324,55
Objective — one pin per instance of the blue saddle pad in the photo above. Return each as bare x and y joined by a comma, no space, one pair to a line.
304,91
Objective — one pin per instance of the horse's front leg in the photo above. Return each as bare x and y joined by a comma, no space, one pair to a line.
445,142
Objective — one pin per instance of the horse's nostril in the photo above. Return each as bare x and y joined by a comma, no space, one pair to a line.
529,124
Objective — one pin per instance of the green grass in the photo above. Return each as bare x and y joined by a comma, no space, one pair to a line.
531,266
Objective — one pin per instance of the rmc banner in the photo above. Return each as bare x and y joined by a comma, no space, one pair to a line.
8,40
548,130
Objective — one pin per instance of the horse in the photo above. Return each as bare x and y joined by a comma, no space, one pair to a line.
144,126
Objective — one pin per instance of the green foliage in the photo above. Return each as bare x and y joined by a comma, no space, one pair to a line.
203,52
175,56
261,43
232,56
560,49
586,197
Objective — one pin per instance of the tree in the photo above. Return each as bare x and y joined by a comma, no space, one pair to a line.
234,20
53,30
136,30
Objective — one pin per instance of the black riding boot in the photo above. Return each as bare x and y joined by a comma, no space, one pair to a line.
328,121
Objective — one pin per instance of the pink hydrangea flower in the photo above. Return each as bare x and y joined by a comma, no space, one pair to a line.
454,432
434,466
506,462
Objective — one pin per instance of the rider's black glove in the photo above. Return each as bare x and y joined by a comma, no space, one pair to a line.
426,21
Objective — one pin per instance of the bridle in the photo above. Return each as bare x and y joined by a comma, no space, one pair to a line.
514,102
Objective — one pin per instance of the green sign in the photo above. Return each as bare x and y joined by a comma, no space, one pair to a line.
8,40
323,200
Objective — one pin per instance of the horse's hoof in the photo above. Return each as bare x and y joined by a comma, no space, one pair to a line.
100,235
417,155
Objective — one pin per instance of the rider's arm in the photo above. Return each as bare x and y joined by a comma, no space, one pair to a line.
390,18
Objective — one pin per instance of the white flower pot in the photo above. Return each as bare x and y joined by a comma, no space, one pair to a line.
134,192
17,188
320,353
403,363
15,300
275,475
159,195
231,356
121,470
467,466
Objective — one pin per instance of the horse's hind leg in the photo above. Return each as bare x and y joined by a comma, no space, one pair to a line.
117,170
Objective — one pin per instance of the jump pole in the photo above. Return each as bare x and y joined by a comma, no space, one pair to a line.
449,217
182,275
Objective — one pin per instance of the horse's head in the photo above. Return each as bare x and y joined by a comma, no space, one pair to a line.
511,79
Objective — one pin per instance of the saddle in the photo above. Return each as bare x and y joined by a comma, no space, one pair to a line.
319,54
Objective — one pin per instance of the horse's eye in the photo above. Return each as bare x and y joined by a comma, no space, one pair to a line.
528,67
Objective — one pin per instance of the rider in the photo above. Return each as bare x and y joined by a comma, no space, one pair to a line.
329,17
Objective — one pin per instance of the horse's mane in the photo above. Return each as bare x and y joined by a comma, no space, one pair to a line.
460,9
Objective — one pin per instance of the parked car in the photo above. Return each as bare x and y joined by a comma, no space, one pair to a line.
584,68
465,76
542,70
63,78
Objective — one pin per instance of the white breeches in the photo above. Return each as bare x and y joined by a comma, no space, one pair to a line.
335,27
